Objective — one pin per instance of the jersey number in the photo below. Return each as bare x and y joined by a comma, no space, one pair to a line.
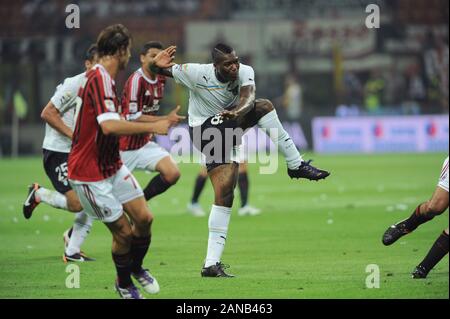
216,120
61,170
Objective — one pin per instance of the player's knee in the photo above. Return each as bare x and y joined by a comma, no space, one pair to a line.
74,205
225,199
172,176
203,173
437,206
266,106
144,219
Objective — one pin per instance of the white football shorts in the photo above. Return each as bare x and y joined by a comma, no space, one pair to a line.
443,179
146,158
103,199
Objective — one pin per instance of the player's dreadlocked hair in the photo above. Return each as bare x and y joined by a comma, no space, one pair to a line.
113,39
219,51
151,45
91,52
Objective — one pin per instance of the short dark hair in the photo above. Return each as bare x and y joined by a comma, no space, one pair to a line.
113,39
219,51
151,45
91,52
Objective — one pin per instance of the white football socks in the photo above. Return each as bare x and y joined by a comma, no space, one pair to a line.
52,198
268,123
219,218
80,230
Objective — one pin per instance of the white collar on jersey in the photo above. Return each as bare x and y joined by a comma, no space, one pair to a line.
146,78
103,68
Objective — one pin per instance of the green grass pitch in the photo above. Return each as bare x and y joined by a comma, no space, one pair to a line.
313,240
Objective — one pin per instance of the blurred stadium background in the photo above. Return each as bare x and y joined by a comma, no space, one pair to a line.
313,58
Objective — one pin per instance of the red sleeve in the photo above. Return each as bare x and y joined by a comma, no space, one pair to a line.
103,95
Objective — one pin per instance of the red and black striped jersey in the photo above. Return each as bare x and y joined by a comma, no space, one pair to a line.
95,156
140,95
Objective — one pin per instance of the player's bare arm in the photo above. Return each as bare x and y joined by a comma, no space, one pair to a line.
162,63
51,115
246,103
122,127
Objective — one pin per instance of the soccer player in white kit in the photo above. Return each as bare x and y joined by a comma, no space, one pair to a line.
425,212
222,101
59,115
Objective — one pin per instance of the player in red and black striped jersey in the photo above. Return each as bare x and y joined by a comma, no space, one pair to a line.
104,186
140,102
95,155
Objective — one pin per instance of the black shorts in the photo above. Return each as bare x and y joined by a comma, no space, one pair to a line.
55,165
216,138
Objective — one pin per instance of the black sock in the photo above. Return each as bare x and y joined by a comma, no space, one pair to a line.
436,253
417,219
123,268
199,185
139,248
243,188
155,187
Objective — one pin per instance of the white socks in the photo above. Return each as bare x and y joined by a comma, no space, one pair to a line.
281,139
219,218
80,230
52,198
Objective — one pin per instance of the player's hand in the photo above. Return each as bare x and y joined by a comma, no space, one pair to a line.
174,117
229,115
161,127
165,58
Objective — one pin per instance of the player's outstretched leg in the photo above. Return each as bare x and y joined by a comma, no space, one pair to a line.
265,117
223,179
38,194
31,201
436,253
422,214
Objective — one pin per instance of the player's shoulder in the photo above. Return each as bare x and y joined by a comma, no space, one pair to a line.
245,68
205,70
74,80
98,71
189,67
246,75
135,77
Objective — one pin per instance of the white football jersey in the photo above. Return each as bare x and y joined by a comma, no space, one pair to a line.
64,99
207,95
443,178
